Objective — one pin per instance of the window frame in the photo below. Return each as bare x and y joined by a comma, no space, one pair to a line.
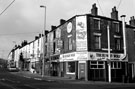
118,28
97,64
97,42
67,67
97,19
117,43
117,65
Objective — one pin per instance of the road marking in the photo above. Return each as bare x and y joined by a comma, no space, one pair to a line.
30,86
50,80
26,76
4,84
37,78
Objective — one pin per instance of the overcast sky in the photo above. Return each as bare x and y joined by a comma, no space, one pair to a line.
24,19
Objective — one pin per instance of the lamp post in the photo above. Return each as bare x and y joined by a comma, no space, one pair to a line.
42,6
109,57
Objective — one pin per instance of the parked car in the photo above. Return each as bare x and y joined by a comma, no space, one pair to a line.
13,69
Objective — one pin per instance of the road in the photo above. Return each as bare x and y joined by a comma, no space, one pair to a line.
11,81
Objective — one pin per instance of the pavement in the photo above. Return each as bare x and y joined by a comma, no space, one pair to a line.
39,77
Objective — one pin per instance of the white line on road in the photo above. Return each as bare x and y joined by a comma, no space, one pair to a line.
4,84
30,86
26,76
37,78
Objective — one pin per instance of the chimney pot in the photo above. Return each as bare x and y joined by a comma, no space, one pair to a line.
53,27
94,10
132,21
62,21
114,13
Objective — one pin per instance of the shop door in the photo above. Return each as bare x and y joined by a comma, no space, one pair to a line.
82,70
131,68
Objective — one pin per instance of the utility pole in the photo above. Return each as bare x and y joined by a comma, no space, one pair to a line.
43,61
109,57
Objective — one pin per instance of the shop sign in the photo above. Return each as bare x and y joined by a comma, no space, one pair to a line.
69,56
104,56
81,33
82,56
74,56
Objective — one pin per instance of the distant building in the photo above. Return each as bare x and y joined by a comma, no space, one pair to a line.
130,38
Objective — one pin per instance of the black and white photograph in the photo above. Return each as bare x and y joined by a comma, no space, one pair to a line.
67,44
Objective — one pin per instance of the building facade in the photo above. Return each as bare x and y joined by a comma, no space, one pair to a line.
87,47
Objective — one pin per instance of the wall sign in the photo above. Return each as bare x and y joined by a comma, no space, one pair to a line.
69,27
81,33
104,56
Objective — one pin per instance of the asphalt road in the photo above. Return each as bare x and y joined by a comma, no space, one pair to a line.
11,81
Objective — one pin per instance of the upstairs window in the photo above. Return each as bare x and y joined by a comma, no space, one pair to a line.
96,23
117,44
97,42
70,44
116,27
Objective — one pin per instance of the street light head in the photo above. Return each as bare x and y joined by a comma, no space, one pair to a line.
42,6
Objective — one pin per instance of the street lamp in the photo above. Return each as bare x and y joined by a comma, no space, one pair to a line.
109,57
42,6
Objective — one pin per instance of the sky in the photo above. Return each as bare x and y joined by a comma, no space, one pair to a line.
24,19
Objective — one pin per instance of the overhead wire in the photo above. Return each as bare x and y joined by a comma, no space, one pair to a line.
119,4
19,33
7,7
100,8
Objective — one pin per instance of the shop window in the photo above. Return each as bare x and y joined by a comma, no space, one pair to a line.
71,68
115,65
96,23
97,65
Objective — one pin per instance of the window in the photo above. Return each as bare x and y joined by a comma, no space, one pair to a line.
71,68
70,44
116,27
115,65
96,23
97,65
134,34
97,42
54,47
117,43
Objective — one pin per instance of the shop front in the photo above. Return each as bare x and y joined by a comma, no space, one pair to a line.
73,65
98,67
54,65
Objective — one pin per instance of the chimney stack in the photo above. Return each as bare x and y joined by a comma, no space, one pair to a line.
94,10
132,21
36,37
62,21
53,27
114,13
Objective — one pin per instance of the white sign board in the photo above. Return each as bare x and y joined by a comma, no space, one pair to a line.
81,33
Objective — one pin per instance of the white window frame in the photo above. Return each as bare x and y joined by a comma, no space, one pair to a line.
113,67
118,30
67,72
97,64
99,39
98,22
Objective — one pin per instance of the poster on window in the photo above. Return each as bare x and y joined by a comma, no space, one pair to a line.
81,33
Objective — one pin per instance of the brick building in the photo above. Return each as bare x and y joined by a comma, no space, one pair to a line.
78,48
